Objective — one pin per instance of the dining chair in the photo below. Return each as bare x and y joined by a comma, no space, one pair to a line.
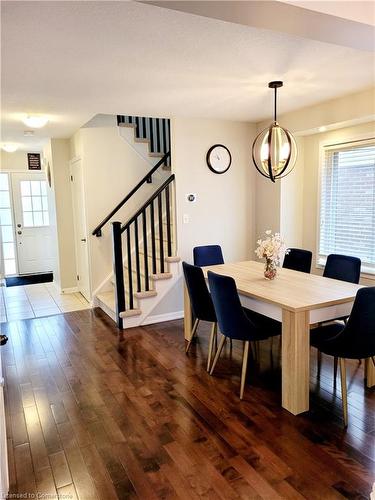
201,305
298,259
234,321
208,255
353,340
343,267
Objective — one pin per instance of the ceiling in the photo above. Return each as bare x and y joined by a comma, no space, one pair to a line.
355,10
72,60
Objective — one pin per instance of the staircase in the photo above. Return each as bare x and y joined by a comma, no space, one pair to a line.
145,264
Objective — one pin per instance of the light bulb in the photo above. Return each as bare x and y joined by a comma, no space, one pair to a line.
35,121
9,148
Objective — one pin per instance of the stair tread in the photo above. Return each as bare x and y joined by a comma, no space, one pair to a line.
130,312
161,276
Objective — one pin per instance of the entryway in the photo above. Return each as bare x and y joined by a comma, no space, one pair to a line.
27,241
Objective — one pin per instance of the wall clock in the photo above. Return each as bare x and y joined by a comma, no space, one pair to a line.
218,158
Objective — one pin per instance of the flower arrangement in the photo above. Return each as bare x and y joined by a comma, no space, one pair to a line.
271,249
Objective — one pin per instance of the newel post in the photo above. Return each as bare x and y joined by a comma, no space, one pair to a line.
118,272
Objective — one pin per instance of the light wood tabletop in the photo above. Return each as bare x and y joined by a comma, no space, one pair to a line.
298,300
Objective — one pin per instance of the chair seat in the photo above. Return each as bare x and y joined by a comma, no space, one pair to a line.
328,339
268,327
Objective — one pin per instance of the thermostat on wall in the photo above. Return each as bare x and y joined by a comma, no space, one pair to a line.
191,197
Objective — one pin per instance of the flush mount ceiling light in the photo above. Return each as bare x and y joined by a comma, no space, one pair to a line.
274,149
9,148
35,121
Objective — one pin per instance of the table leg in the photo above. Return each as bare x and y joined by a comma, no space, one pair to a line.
369,372
295,361
188,315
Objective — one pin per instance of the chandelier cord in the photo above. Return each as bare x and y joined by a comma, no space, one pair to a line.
274,112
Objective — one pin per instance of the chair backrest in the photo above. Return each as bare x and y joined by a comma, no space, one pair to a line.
359,333
231,318
343,267
208,255
200,298
298,260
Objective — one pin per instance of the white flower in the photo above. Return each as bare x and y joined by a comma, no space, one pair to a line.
271,247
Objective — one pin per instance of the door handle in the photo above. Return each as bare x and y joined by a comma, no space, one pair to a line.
83,239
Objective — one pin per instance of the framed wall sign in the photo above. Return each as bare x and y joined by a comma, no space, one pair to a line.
33,161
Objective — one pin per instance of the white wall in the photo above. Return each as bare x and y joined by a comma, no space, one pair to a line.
224,212
111,168
57,153
14,161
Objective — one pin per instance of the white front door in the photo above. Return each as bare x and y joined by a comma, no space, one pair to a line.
32,223
80,229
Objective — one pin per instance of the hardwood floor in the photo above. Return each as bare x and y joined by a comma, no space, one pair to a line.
90,416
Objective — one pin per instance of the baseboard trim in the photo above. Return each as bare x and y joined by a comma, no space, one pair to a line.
73,289
159,318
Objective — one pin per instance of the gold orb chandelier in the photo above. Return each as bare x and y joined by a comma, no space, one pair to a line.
274,149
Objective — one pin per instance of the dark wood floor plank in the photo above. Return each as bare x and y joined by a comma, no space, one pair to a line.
99,416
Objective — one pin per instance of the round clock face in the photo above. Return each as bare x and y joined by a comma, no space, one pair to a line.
218,159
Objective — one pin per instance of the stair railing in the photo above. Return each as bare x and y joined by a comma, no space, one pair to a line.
146,179
148,222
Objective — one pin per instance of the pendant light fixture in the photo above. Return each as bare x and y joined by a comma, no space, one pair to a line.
274,149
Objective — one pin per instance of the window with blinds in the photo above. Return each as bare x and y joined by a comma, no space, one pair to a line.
347,204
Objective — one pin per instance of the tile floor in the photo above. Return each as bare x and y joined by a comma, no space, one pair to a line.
35,301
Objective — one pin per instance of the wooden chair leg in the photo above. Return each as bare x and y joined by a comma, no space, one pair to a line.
193,333
211,344
344,390
244,367
218,352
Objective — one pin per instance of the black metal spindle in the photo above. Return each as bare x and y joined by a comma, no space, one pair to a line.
158,142
168,213
161,244
153,245
130,274
152,136
118,272
137,262
145,255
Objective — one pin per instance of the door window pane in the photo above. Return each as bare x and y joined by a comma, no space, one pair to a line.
38,218
5,216
35,188
4,199
4,184
8,249
25,188
34,203
7,234
37,203
26,204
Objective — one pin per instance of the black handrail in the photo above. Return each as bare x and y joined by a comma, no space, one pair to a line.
147,203
98,230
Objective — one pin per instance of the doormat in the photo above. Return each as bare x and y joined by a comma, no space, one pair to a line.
30,279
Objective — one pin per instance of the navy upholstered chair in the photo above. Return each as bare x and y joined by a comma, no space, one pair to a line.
354,340
298,260
208,255
234,321
343,267
201,304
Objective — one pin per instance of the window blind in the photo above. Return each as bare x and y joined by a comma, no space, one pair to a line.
347,204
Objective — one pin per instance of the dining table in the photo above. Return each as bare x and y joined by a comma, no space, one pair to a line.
299,301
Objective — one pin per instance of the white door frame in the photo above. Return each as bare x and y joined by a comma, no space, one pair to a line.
27,173
72,162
